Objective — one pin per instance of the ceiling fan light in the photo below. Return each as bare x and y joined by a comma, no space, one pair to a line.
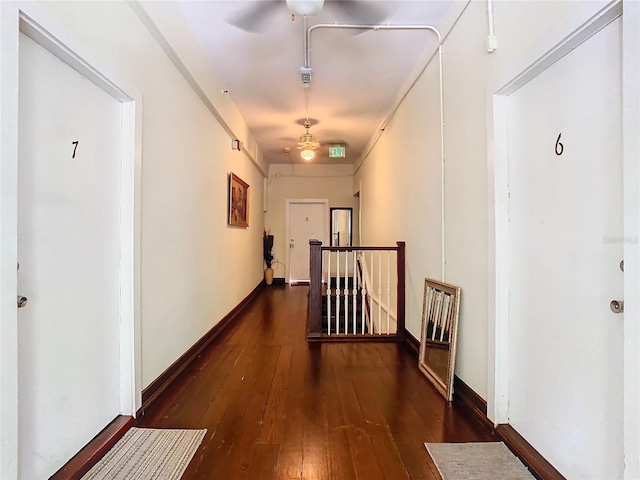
305,7
307,154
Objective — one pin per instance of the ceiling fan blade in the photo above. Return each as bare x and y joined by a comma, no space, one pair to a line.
361,12
334,141
255,18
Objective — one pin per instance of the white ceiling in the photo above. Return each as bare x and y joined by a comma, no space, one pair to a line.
357,75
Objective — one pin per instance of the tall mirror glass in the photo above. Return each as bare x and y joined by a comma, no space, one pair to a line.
341,226
439,331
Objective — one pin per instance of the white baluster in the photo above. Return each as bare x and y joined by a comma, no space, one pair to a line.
338,292
445,316
450,316
441,311
380,293
388,290
371,289
428,310
354,285
329,293
436,313
346,292
363,293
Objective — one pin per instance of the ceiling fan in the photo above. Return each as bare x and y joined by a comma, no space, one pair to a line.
309,146
256,17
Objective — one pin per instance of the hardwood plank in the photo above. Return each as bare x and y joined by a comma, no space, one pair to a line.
360,443
315,423
272,419
340,460
233,436
290,459
264,458
384,447
204,379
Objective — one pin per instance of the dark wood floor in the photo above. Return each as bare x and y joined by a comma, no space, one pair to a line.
276,407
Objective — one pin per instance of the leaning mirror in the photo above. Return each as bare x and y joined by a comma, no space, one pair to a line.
440,308
341,226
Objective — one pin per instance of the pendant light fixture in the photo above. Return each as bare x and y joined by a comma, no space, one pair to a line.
307,143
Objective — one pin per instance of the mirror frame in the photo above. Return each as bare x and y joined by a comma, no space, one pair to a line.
431,308
350,209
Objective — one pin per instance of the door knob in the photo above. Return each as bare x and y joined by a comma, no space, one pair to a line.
617,306
22,301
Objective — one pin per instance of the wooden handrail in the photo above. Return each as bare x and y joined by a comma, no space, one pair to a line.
351,249
314,327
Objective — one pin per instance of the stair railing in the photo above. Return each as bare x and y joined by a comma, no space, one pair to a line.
356,293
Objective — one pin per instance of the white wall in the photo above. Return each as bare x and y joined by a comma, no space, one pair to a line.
401,193
333,182
194,268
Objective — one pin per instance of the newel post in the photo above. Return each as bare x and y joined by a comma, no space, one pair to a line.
400,265
315,290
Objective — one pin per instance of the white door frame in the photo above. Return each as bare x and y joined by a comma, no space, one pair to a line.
37,23
324,240
498,206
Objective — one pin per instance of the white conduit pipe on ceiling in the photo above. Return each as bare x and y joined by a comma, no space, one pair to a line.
307,63
492,31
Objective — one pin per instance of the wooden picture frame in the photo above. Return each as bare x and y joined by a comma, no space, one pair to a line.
440,310
238,208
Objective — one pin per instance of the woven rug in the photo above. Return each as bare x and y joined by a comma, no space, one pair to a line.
148,453
477,461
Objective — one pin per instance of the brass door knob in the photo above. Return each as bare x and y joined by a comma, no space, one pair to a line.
22,301
617,306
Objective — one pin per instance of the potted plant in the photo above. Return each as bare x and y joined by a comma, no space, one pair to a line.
267,252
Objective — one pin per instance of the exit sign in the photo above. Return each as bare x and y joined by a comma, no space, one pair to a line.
337,151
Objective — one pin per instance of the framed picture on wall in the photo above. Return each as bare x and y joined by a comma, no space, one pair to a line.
238,202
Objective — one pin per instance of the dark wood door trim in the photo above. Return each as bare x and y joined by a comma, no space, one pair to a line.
538,465
86,458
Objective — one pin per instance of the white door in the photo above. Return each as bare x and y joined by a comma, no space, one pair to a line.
566,244
68,250
307,221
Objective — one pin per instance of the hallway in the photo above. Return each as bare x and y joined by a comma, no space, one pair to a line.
276,407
